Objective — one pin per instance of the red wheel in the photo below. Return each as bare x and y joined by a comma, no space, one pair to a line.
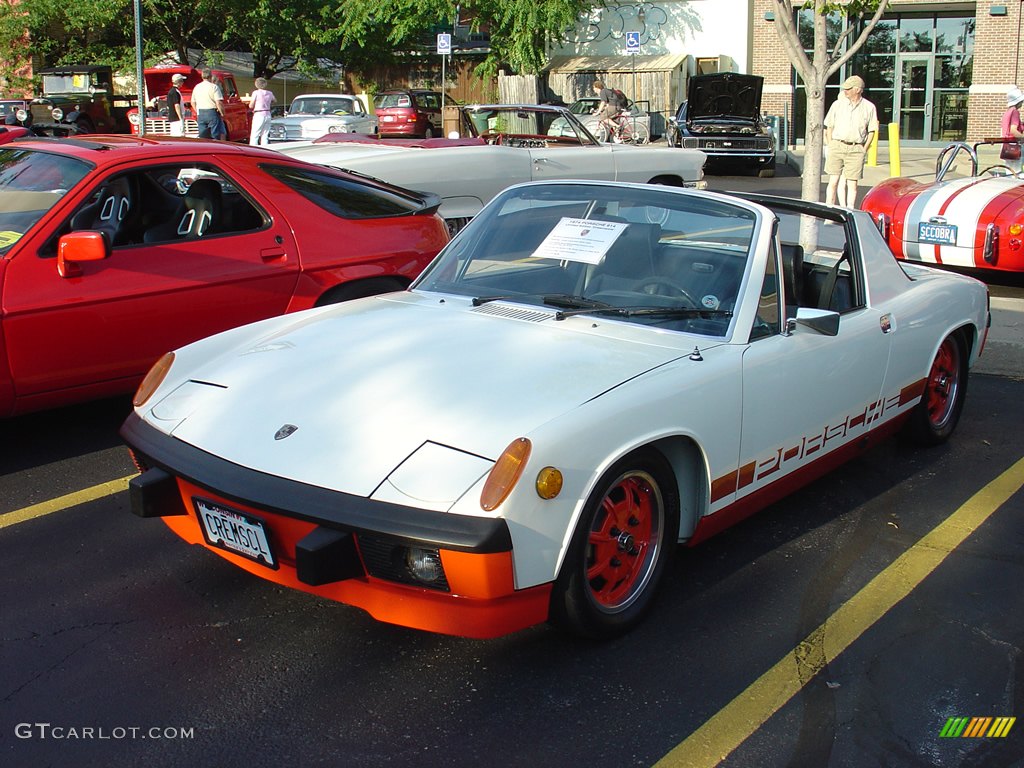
936,416
623,541
943,384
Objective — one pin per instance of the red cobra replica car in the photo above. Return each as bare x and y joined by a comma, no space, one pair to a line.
972,222
115,249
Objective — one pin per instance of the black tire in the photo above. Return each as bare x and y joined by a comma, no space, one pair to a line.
934,418
428,134
767,172
622,545
360,289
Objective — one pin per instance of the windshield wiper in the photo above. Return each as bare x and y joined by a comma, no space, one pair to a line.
648,312
553,300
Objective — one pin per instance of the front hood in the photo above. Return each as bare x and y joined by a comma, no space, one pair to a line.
368,383
724,95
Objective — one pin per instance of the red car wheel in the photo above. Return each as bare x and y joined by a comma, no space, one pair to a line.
620,549
935,417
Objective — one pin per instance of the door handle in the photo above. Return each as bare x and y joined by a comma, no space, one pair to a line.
273,254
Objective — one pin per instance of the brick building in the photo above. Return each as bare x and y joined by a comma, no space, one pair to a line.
940,69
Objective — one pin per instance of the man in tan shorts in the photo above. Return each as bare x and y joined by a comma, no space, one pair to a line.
850,125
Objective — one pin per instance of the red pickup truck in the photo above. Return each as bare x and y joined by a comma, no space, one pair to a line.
158,83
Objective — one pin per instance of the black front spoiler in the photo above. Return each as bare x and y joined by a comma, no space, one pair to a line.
154,494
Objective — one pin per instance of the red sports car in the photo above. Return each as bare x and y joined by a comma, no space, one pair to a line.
115,249
974,221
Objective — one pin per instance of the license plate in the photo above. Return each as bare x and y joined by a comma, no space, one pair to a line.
387,118
234,532
939,234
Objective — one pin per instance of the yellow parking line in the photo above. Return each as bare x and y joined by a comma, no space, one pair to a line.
64,502
740,718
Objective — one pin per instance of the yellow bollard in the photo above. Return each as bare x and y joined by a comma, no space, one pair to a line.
894,150
872,157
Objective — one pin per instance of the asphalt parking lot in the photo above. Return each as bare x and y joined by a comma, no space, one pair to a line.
844,626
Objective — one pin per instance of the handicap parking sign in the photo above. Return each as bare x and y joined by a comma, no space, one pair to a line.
632,42
444,43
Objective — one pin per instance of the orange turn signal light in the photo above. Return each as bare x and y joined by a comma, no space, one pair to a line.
1016,229
549,483
505,474
153,379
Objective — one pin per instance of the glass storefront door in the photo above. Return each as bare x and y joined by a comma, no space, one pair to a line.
915,98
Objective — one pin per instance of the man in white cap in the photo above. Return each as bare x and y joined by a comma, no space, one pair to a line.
850,125
1011,127
174,108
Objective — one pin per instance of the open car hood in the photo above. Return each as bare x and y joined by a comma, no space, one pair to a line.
724,95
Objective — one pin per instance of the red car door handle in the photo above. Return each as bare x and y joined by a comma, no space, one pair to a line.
273,254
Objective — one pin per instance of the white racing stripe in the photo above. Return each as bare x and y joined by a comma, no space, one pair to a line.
973,196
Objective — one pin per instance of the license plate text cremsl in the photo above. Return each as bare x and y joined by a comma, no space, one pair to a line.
234,531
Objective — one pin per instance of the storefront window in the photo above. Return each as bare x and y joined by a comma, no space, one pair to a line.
917,68
916,34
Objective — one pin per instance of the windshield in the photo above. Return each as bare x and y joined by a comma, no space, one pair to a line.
323,107
31,183
519,126
665,258
66,84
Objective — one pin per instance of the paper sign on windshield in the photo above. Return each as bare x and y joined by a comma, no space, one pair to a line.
583,240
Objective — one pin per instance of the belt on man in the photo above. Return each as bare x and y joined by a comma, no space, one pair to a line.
851,143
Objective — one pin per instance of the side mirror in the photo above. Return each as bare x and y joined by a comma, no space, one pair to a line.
821,321
77,247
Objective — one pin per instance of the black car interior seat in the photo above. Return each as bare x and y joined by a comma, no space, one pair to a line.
199,214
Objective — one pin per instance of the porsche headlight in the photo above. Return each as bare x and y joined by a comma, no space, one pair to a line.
57,114
505,474
134,118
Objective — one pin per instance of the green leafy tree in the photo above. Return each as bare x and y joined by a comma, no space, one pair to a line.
851,23
519,29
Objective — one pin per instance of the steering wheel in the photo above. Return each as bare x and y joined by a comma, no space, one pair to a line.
998,166
666,283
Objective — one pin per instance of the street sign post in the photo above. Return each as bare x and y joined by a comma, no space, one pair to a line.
633,48
444,48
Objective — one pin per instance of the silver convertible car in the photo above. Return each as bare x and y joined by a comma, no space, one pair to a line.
499,145
589,374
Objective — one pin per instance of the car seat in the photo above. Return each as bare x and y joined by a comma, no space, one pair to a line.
629,260
198,216
108,213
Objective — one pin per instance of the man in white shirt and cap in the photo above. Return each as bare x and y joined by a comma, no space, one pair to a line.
850,125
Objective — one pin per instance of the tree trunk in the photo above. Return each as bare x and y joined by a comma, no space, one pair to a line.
814,130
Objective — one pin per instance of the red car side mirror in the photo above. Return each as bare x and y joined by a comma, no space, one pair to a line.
75,247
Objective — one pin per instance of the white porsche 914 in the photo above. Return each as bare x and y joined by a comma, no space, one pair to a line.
587,375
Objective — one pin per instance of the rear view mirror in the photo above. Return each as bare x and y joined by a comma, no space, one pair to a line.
77,247
822,321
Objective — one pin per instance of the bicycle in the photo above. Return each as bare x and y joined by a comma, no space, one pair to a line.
627,130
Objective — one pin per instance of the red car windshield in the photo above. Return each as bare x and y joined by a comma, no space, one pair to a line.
31,183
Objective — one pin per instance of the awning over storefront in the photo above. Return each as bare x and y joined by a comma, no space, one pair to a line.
663,63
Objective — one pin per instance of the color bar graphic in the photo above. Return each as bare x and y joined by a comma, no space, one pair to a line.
977,727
